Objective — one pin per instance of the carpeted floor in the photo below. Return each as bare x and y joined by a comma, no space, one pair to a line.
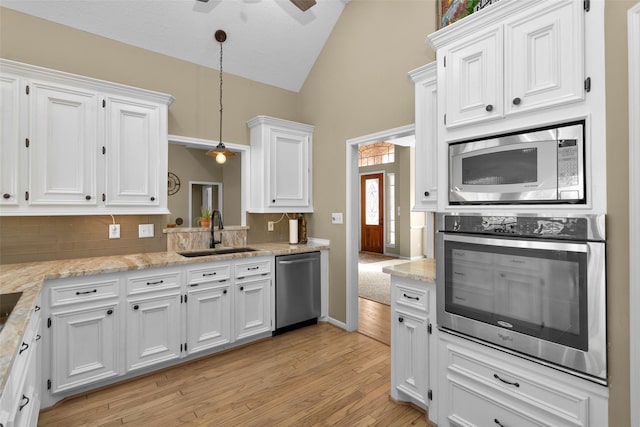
373,284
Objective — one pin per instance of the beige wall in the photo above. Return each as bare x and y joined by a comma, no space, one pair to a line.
618,210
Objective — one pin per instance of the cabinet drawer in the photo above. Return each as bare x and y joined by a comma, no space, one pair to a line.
253,268
407,295
510,381
84,290
153,282
209,273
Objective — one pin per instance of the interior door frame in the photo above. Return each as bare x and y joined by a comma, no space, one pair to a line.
384,208
633,34
352,213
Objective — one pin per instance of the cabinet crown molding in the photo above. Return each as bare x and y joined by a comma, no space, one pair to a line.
274,121
422,72
63,77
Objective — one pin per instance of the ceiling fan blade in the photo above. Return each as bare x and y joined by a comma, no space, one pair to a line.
303,4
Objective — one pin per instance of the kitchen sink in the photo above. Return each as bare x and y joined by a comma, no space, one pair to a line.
221,251
7,302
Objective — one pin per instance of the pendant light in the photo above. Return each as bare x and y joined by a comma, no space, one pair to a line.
220,152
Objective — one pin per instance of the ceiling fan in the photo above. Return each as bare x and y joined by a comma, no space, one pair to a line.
300,4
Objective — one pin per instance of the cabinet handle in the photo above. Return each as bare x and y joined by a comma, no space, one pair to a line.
24,347
86,292
516,101
495,420
135,307
222,281
240,278
426,194
37,308
253,268
160,282
153,199
400,319
515,384
38,337
109,312
88,197
209,274
410,297
25,403
489,107
6,195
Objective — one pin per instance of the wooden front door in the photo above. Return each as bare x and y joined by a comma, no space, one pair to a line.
372,212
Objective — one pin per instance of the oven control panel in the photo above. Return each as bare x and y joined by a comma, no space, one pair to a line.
533,226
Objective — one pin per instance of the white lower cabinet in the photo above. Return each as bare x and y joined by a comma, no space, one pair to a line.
253,296
488,387
413,312
20,399
153,330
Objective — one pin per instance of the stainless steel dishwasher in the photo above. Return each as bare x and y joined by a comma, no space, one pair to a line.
297,291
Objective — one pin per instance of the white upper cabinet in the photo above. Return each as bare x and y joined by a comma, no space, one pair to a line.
77,145
426,109
281,177
133,154
523,62
10,140
62,148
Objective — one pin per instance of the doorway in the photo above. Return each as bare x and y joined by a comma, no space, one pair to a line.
372,213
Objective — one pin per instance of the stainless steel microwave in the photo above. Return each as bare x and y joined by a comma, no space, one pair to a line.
540,166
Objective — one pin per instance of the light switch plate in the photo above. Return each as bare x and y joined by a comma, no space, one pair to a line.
145,230
336,218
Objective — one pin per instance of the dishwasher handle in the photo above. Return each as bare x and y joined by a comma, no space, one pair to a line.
297,261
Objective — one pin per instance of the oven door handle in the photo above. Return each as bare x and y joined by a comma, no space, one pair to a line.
526,243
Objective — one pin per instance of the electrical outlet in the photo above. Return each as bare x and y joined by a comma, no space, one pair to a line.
114,231
145,230
270,226
336,218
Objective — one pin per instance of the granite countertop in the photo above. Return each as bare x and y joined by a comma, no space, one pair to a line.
423,269
29,277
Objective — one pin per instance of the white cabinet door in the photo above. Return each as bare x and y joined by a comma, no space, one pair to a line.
426,110
208,317
133,154
63,144
411,344
253,308
544,57
289,173
10,143
84,345
473,69
153,330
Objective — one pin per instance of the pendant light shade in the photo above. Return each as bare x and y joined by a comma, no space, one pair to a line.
220,152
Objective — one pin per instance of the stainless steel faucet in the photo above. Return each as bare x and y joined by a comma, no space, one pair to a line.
213,241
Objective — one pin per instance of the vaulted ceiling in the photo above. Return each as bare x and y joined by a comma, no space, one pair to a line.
269,41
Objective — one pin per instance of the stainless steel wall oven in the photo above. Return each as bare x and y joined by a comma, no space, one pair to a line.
534,285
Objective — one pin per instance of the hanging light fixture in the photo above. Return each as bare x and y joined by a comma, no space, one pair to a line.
220,152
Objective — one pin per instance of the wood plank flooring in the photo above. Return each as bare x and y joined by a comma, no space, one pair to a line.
318,375
373,320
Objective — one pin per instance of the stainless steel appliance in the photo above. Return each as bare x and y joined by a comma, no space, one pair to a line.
538,166
533,285
297,290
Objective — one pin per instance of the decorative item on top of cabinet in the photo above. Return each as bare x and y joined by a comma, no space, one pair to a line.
426,160
281,177
78,145
538,44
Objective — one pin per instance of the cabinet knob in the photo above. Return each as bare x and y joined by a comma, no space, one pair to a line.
426,194
135,307
109,312
516,101
153,199
489,107
400,319
273,200
6,196
224,292
242,288
87,197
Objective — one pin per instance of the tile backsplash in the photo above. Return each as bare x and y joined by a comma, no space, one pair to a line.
46,238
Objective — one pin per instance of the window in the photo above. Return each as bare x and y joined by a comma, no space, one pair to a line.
376,154
391,204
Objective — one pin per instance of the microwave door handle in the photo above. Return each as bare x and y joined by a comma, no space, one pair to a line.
524,243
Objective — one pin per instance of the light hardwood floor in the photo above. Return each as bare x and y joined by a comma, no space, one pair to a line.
373,320
318,375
